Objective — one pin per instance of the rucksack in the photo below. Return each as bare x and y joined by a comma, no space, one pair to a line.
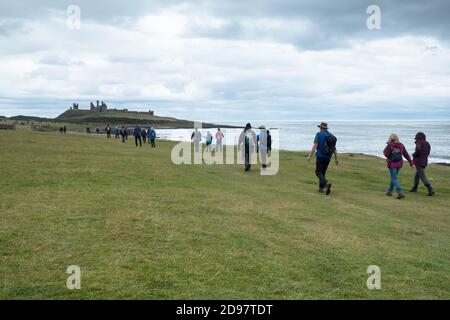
396,155
329,145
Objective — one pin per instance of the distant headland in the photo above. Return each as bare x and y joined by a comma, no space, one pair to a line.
100,114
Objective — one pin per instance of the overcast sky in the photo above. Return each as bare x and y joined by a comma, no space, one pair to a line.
228,60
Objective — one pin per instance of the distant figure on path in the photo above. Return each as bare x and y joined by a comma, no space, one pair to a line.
324,147
64,129
88,130
152,137
394,153
137,136
208,141
144,135
61,129
262,145
108,132
197,138
116,133
97,130
126,133
219,137
420,158
123,133
247,138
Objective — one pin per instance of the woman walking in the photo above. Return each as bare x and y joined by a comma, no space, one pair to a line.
394,153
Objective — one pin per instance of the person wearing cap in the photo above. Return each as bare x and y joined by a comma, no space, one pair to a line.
248,139
324,147
420,158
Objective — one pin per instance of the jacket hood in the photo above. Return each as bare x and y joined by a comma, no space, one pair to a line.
420,136
395,144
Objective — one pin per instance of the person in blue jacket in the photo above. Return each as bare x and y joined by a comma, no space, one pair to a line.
151,137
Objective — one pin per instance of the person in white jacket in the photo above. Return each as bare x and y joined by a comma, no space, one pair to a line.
197,138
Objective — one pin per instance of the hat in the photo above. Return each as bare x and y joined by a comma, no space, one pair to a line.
248,126
323,125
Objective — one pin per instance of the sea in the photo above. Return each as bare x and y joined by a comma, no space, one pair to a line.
363,136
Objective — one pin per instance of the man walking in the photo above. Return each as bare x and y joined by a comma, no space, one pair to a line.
137,136
420,158
248,139
324,147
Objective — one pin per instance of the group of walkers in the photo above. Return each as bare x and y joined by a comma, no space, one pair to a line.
324,148
248,140
142,135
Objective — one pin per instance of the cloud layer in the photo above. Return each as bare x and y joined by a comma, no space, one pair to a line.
228,60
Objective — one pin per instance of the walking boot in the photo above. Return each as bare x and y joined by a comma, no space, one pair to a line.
400,196
430,190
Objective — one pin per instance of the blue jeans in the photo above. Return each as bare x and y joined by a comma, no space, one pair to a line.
394,180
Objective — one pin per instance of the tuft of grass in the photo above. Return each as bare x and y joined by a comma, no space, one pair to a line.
141,227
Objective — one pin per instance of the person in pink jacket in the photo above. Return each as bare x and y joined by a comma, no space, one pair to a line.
394,153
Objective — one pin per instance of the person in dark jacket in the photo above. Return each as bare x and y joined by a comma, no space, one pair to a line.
137,136
248,139
123,133
420,157
144,135
394,153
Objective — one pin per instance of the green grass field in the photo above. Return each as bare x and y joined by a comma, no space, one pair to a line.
141,227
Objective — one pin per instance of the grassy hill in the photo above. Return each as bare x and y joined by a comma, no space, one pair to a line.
115,117
142,227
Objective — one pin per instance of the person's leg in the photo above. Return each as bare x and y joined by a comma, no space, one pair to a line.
263,154
320,170
140,141
136,140
396,182
416,181
153,143
247,158
423,177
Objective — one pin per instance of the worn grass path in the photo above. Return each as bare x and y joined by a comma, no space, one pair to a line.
142,227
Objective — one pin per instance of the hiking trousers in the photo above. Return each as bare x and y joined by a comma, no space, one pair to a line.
321,171
420,175
394,180
136,139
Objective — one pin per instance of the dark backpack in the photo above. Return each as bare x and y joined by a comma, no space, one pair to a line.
329,145
396,155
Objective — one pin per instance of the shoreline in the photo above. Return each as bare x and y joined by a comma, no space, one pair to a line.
439,162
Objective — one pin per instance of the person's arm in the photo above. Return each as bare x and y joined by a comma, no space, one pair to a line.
314,147
387,151
336,159
418,149
313,150
406,155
